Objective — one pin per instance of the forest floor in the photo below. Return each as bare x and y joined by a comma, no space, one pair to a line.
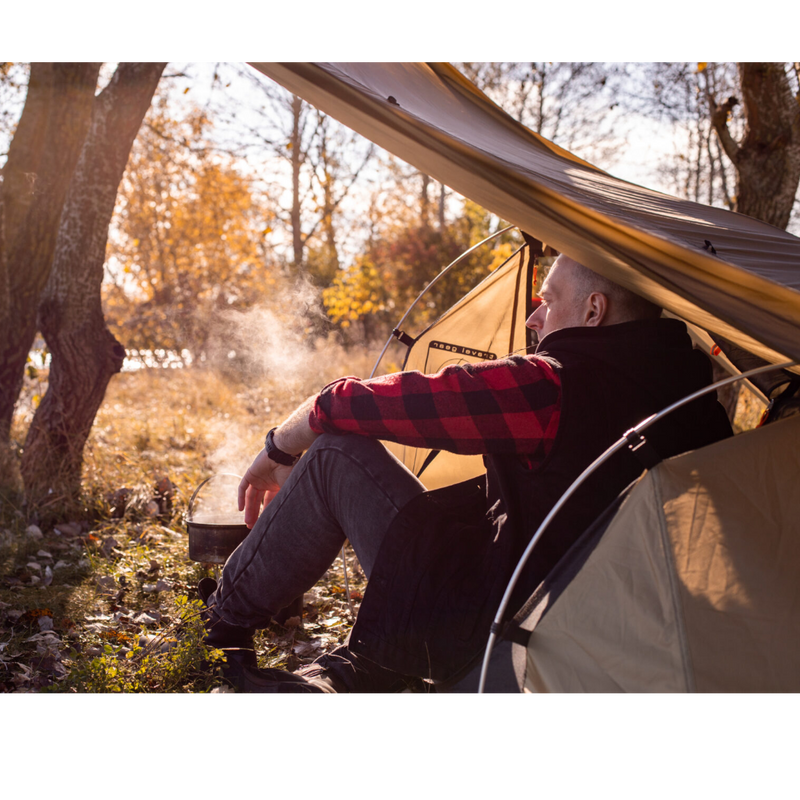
105,600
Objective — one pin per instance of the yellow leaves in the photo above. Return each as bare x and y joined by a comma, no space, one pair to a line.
501,253
189,238
355,294
701,65
402,259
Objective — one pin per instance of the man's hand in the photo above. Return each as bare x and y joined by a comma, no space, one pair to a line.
260,484
265,476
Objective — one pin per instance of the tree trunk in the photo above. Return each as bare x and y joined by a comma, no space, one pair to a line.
84,353
25,152
297,163
41,160
767,160
424,201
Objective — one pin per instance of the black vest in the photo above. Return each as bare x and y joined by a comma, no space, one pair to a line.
611,379
447,557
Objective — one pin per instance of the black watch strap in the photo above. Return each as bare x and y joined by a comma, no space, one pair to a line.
276,454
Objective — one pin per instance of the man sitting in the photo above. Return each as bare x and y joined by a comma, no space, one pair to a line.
438,562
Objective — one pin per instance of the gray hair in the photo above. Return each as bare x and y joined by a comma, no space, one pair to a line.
628,304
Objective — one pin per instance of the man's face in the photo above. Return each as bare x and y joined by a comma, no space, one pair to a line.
560,308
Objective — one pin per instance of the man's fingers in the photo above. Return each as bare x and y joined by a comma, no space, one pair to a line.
243,487
248,483
252,505
264,477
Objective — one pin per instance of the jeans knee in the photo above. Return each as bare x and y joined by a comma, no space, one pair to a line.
349,444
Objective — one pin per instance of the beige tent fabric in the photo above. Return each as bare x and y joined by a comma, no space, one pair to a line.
695,586
616,627
732,519
488,323
432,117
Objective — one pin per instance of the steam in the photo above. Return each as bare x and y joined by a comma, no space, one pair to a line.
280,354
215,501
276,340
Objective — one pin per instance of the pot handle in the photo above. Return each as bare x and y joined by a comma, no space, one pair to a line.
201,485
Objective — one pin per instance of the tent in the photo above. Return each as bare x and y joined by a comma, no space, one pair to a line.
486,324
697,575
689,583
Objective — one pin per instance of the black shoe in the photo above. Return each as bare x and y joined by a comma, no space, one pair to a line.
278,681
235,642
342,671
205,589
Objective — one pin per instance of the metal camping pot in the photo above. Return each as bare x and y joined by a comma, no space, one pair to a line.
216,528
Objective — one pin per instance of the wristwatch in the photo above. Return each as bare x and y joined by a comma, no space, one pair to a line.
278,455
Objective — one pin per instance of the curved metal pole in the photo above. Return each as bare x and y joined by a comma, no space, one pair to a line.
430,285
580,479
389,341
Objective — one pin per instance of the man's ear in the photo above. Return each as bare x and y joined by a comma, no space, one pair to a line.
596,310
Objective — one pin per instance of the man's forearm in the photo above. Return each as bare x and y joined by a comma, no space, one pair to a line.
295,434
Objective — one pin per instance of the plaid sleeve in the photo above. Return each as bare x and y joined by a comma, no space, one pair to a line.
510,405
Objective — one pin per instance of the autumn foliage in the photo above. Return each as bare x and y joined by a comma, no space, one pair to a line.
188,242
396,266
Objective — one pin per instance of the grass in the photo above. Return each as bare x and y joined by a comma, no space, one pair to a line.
106,602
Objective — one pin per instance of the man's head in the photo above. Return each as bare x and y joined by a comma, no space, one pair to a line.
575,297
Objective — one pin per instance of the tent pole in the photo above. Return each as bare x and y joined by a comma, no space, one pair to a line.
447,269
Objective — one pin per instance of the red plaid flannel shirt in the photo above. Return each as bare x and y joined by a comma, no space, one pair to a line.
508,406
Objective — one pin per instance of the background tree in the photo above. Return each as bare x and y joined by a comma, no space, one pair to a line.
571,103
676,93
311,167
36,175
84,353
402,259
736,128
766,156
758,174
190,240
334,180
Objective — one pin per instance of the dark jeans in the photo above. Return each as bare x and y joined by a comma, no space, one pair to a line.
344,487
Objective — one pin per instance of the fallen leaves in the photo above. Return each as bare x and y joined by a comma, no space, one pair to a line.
160,586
